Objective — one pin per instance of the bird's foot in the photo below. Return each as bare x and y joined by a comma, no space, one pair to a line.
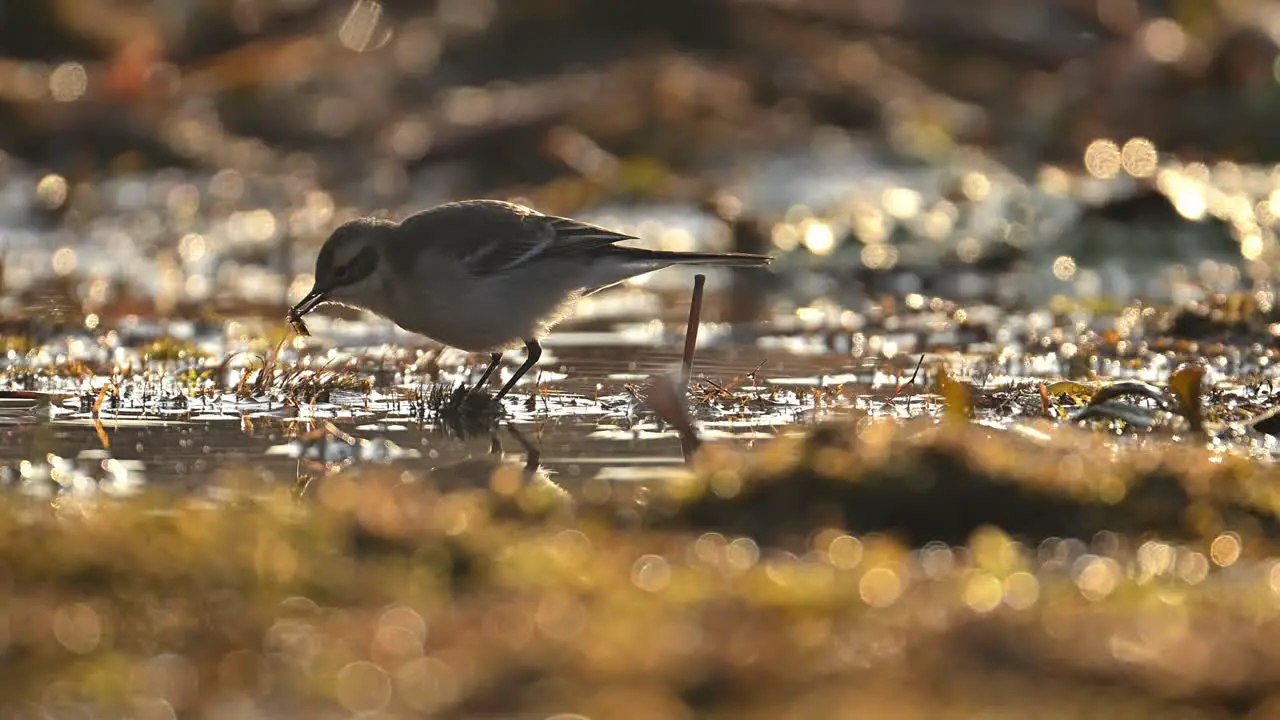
469,411
474,401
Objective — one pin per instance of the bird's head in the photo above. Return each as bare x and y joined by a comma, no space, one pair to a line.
347,268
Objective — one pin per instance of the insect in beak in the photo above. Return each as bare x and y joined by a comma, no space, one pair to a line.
304,306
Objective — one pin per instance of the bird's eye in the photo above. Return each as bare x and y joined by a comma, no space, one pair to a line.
341,272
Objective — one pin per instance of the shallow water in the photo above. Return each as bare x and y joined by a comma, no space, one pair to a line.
584,422
184,423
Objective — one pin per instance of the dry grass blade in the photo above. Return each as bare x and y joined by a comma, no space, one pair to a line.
102,433
102,397
268,365
97,410
223,367
243,390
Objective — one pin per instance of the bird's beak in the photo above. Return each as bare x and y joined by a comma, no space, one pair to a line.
307,304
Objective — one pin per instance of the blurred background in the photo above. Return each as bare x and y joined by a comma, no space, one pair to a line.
186,157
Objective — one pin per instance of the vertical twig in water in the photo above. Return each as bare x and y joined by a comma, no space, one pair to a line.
911,382
691,331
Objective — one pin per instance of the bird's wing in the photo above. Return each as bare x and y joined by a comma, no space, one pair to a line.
489,237
539,237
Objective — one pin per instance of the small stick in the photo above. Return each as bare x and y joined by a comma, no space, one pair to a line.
691,331
912,381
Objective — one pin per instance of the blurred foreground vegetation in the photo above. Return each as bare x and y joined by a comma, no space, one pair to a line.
820,576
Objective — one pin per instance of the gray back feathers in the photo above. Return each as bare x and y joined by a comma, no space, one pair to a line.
489,237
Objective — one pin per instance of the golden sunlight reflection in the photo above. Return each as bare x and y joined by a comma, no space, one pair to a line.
982,592
879,256
363,687
1102,159
870,224
64,261
937,560
192,247
936,224
819,238
1225,549
1021,590
651,573
1155,558
880,587
901,203
1064,267
1054,180
969,249
1097,577
1139,157
742,553
1252,245
52,191
359,30
845,552
1163,39
1273,577
1185,190
78,628
427,684
1192,567
68,82
975,186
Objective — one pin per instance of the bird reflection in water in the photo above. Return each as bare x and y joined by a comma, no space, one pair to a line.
317,459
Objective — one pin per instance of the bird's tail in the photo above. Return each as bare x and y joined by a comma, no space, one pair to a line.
666,257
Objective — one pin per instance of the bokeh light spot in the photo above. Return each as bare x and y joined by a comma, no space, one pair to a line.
1064,267
68,82
51,191
1163,39
1102,159
64,261
362,687
78,628
1225,549
983,592
651,573
880,587
1139,157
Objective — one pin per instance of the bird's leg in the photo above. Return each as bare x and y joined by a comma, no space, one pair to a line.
534,351
494,359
